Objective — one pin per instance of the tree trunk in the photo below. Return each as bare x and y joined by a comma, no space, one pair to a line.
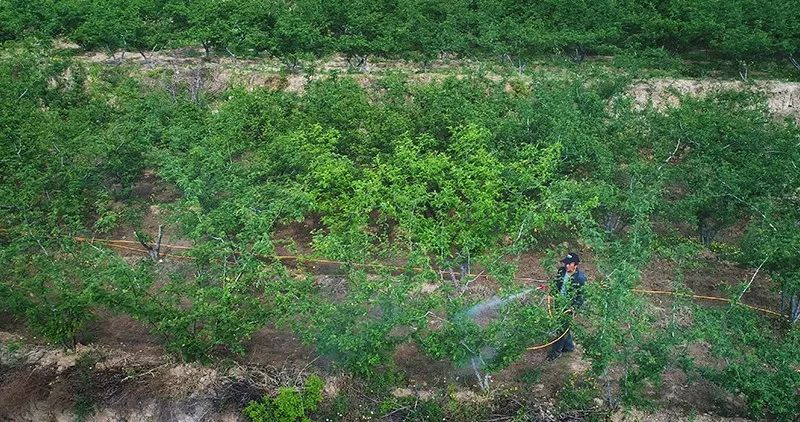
794,62
154,251
112,52
706,231
790,306
612,222
146,60
292,63
360,62
197,84
124,49
579,54
172,88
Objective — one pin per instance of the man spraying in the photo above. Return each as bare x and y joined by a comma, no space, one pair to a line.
567,289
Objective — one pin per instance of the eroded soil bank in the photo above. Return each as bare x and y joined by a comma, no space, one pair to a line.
186,69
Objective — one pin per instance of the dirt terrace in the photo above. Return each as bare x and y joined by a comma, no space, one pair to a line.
186,67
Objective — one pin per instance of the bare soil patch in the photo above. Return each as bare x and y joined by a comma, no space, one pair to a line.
783,98
711,277
123,333
273,346
422,371
22,387
186,69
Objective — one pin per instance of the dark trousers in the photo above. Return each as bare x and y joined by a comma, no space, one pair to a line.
564,344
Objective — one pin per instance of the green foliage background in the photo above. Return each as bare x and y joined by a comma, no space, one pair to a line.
740,31
448,175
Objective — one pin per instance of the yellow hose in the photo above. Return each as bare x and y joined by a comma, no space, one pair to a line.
115,244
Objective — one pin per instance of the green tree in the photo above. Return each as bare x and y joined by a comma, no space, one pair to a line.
362,28
298,32
206,22
108,26
720,163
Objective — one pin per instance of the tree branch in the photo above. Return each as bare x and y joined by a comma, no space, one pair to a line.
752,278
730,193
